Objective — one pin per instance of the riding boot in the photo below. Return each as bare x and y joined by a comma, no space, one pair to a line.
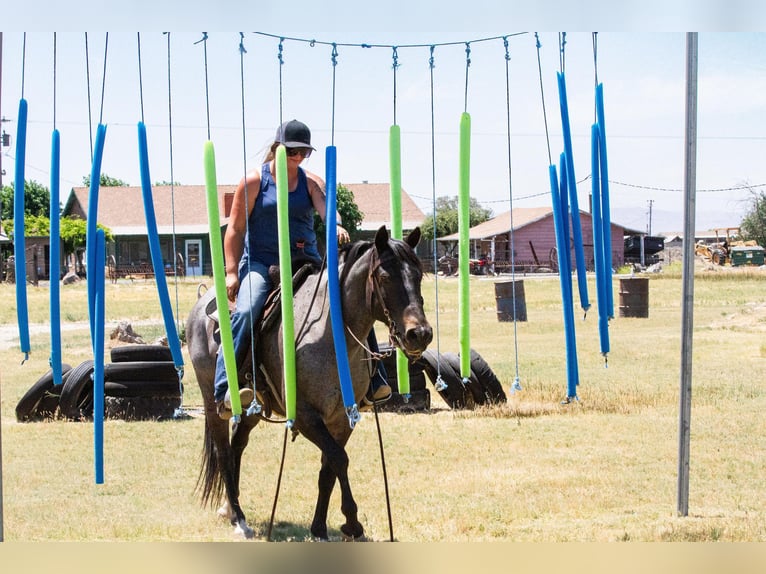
223,408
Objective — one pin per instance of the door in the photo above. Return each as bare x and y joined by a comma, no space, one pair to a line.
193,257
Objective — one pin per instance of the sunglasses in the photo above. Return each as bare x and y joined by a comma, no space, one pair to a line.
302,151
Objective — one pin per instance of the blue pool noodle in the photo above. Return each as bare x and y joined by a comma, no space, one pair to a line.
155,251
606,215
598,243
582,283
333,282
98,363
90,230
19,244
55,259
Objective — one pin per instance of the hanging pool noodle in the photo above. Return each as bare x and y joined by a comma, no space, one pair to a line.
286,285
582,282
606,215
395,163
55,257
219,277
19,244
598,243
333,285
92,220
565,281
98,363
464,224
155,251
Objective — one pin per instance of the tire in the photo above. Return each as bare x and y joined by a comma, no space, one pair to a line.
136,353
455,395
76,402
475,388
493,389
141,371
48,406
28,404
131,389
140,408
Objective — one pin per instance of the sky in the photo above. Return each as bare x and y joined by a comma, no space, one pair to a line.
642,65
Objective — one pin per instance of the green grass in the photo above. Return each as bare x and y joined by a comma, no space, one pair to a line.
601,469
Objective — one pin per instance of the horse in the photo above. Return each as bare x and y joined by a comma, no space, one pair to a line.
380,280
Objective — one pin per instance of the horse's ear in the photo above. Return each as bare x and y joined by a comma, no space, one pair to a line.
381,239
413,238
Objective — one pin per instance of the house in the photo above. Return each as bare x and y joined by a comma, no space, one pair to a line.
181,214
534,239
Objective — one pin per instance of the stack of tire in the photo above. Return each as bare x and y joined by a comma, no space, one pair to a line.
482,387
141,383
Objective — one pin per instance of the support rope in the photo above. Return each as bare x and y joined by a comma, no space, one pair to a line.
255,407
395,65
542,96
439,384
203,40
90,105
103,80
467,66
516,386
173,190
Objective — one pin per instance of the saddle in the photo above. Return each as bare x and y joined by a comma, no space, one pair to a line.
271,312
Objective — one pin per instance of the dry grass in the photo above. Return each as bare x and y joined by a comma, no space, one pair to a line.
601,469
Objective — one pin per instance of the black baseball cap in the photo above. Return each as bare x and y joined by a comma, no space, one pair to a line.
294,134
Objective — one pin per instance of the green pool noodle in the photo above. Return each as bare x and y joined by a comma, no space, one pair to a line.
286,282
395,154
219,277
464,224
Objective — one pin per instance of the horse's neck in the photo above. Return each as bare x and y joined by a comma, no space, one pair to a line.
357,314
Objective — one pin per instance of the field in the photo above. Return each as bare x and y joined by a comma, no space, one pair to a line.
604,468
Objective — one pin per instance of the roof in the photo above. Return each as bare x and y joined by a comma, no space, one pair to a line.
374,201
522,216
121,208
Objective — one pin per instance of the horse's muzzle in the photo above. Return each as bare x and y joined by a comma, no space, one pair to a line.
417,337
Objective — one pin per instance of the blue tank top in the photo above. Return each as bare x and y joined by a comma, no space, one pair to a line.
262,241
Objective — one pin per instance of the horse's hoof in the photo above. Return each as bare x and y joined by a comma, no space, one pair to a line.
244,531
350,537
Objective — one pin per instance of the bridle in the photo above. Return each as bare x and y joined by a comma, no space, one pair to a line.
373,288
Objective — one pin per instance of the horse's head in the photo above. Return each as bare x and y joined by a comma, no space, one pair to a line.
394,292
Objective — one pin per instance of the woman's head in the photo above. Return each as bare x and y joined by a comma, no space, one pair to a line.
295,136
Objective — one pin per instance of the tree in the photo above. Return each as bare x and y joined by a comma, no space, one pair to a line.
105,181
753,225
37,200
348,210
73,234
447,217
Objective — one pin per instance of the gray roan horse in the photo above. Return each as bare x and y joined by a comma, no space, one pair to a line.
379,281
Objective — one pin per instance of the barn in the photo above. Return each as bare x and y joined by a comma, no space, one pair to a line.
533,240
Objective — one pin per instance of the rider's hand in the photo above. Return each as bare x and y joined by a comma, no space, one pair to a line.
232,286
343,236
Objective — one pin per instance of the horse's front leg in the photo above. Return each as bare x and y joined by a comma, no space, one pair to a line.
334,465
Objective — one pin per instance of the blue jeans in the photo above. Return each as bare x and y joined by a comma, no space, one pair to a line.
254,287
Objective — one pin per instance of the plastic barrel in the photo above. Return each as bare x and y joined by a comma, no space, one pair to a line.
504,298
634,297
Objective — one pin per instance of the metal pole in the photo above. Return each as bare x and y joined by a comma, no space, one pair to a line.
687,309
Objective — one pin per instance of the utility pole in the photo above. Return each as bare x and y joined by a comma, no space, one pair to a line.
649,228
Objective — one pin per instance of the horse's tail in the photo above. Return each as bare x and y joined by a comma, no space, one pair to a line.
210,485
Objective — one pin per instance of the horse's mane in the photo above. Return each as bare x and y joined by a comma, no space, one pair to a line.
352,252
